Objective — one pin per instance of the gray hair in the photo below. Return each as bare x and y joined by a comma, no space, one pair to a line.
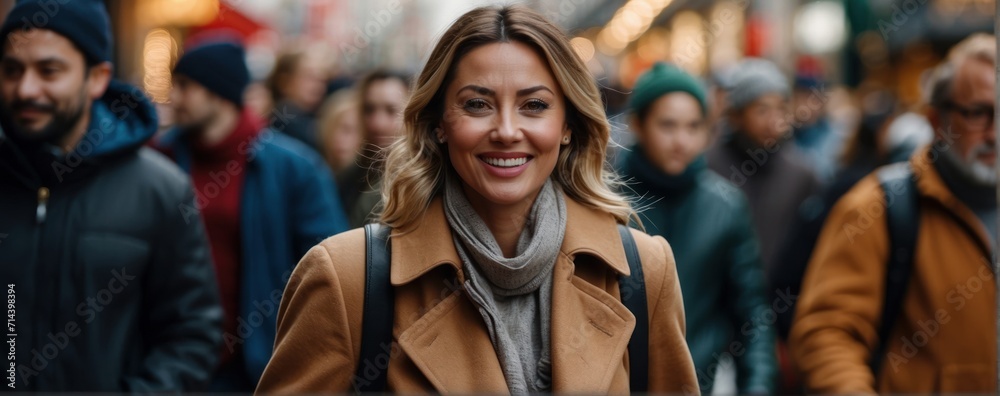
752,79
937,85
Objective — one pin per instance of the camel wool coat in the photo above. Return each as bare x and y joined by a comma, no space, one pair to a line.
945,338
441,343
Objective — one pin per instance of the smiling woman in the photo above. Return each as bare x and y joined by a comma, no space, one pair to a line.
503,138
505,254
517,54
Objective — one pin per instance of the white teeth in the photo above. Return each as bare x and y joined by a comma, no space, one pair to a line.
506,163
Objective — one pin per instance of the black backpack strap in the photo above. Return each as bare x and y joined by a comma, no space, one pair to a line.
633,291
376,323
902,220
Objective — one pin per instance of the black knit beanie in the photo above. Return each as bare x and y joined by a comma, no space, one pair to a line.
220,67
83,22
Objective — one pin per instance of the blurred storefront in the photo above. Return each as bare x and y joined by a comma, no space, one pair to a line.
151,35
893,42
859,42
885,41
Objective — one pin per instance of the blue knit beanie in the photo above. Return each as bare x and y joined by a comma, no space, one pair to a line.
83,22
220,67
660,80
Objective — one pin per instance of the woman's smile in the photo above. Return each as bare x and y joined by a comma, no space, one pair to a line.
505,165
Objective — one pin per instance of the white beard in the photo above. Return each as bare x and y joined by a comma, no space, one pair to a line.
971,168
982,173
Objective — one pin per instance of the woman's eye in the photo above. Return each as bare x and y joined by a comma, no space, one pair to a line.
536,106
476,106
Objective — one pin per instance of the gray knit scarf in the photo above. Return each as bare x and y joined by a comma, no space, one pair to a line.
514,295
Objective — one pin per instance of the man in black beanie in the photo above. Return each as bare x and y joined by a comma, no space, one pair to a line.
265,199
108,287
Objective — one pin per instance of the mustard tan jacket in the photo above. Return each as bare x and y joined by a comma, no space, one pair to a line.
945,338
441,343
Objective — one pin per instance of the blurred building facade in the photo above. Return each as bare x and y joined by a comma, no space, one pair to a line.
882,42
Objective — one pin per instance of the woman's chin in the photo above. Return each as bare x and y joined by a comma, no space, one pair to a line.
509,196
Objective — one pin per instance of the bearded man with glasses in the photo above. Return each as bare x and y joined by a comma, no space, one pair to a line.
942,336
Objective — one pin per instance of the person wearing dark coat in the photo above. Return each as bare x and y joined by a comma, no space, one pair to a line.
755,151
298,85
109,287
756,154
707,221
383,95
265,198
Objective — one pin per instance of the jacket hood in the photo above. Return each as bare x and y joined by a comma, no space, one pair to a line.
121,122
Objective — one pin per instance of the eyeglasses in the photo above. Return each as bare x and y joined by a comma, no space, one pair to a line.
977,117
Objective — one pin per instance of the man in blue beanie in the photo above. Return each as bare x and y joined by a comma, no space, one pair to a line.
265,198
711,232
108,287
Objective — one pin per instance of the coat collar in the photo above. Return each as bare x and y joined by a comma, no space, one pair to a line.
590,327
931,185
588,231
590,331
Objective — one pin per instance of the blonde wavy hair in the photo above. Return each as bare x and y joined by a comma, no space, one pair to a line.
415,165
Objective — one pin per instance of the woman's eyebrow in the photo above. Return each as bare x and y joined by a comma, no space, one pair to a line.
529,91
479,90
489,92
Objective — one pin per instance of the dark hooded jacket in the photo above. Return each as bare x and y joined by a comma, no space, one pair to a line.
108,287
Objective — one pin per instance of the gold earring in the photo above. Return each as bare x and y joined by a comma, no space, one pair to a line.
566,140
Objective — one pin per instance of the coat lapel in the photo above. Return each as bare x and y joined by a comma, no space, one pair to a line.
452,349
590,333
590,327
449,343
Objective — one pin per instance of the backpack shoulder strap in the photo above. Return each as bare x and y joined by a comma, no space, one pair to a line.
376,323
633,291
902,220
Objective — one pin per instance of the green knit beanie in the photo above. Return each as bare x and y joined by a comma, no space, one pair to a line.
660,80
